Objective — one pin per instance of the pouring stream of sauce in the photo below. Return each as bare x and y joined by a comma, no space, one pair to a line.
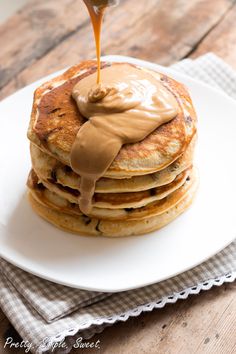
96,9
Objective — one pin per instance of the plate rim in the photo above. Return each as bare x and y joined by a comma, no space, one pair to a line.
156,67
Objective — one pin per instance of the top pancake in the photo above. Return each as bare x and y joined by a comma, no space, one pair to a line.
55,121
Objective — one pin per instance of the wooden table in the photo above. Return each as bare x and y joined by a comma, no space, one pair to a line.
49,35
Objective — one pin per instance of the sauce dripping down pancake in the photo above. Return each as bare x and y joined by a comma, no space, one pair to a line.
128,105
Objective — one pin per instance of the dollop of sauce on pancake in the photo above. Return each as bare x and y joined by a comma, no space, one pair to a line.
127,106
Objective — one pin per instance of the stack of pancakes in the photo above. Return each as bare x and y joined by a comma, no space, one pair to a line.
148,184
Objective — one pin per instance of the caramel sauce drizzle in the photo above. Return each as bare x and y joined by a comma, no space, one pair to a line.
123,104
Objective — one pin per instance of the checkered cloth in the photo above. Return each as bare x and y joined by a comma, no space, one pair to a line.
45,313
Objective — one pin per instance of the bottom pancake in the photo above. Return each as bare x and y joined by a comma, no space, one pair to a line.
83,225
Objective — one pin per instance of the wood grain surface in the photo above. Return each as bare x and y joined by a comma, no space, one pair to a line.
49,35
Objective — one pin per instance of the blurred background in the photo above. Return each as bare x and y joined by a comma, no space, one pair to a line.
7,8
39,37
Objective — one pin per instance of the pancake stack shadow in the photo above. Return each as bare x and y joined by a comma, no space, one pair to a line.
147,186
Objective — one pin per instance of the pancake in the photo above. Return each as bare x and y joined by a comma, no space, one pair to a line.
55,121
83,225
54,201
115,200
48,168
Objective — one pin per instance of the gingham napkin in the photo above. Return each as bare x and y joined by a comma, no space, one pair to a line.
45,313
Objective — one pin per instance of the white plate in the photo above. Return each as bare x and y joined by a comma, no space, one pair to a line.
120,264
